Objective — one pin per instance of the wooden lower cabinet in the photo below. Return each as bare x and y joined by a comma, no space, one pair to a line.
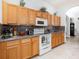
19,49
53,40
57,38
13,52
3,50
35,46
26,48
62,37
13,49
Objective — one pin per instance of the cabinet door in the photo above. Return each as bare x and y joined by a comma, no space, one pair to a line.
62,37
45,15
35,46
12,14
56,21
13,52
59,21
4,12
32,13
32,17
53,20
57,42
32,20
53,40
2,50
39,14
26,48
22,16
49,19
59,38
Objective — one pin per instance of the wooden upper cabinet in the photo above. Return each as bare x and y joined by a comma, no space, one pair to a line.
53,20
11,14
32,17
13,50
45,15
42,14
22,16
32,20
26,48
32,13
49,19
4,12
38,14
57,21
35,46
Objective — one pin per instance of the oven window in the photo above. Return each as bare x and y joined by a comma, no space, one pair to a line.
40,22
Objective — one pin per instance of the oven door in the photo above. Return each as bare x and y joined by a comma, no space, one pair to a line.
44,41
44,44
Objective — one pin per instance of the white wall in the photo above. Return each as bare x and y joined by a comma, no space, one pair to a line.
62,12
0,11
74,14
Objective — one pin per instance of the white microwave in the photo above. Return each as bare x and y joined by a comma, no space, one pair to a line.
41,22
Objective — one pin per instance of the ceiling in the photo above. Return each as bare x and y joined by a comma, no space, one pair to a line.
62,3
73,12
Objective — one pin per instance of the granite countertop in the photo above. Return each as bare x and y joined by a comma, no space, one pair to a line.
20,37
17,38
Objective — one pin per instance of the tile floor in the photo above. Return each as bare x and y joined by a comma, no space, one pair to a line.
69,50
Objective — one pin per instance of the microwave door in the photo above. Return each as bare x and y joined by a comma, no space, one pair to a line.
41,22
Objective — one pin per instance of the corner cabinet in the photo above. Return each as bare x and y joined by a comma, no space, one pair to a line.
35,46
26,48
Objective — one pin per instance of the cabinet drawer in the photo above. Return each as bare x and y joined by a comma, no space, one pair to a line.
25,41
15,42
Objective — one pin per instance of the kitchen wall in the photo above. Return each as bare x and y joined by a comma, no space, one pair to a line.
0,11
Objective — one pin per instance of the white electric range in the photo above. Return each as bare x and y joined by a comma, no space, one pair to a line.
44,43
